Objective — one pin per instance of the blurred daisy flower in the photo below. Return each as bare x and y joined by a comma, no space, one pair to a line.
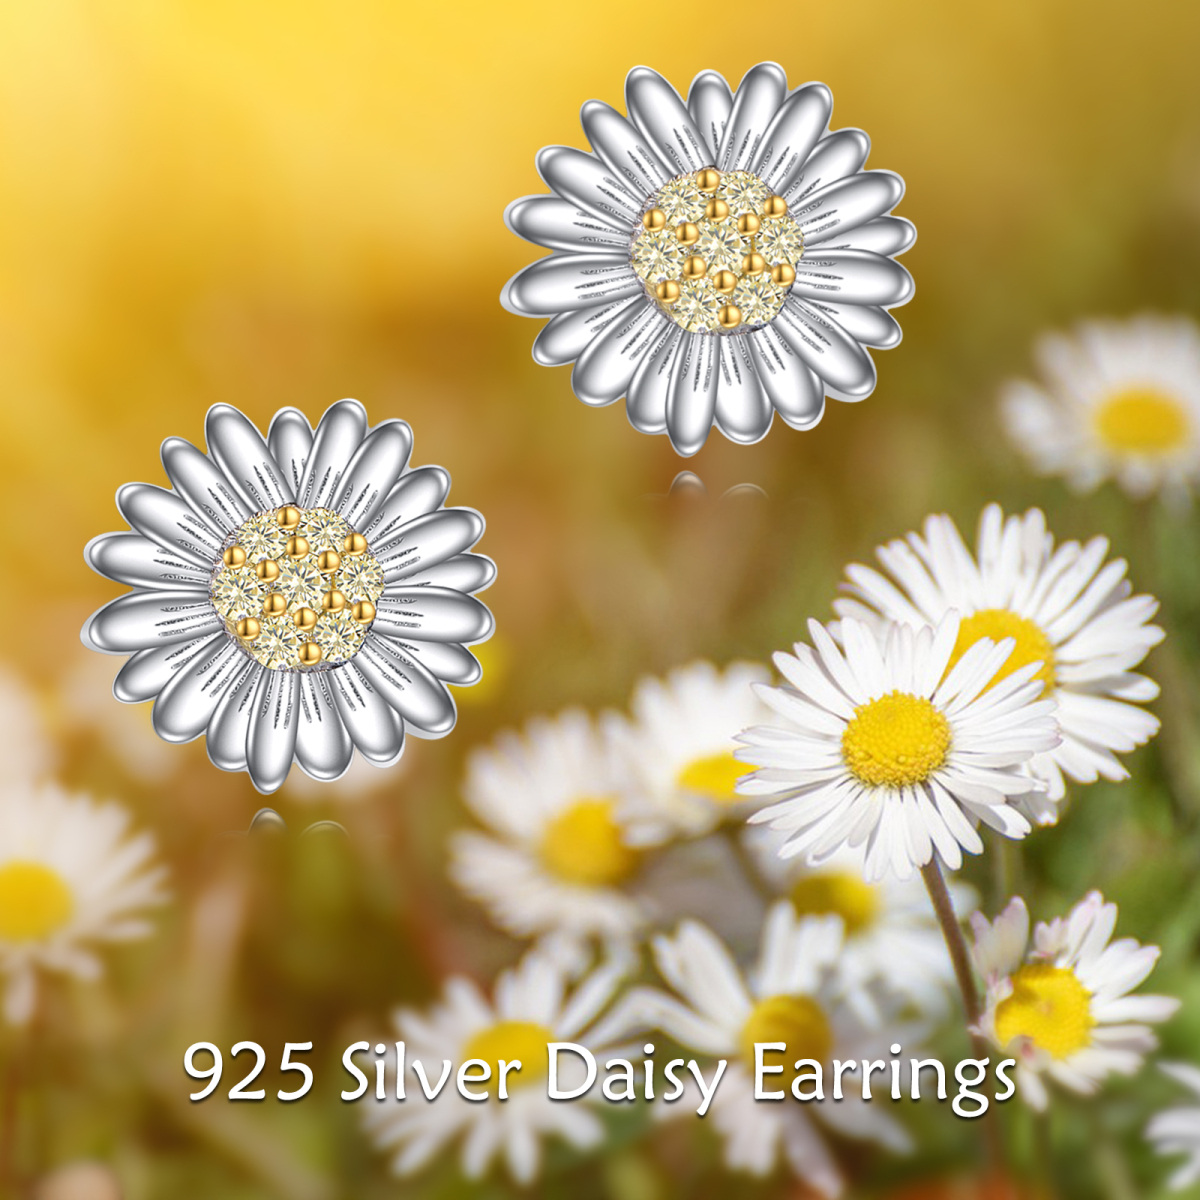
895,747
1062,1009
71,876
680,743
530,1007
1121,400
1177,1130
794,994
1067,610
567,834
294,597
891,935
723,259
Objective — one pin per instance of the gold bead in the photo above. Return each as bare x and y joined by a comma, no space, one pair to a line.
667,291
654,220
695,267
275,605
708,180
784,274
716,209
748,224
354,543
363,612
288,516
730,316
753,263
725,281
305,619
328,561
333,601
309,654
687,233
267,570
234,556
775,206
297,546
248,629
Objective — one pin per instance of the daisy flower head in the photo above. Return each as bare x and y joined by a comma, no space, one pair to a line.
295,597
566,834
680,743
531,1006
888,748
1062,1007
792,994
1120,400
1177,1130
719,259
72,876
891,938
1068,608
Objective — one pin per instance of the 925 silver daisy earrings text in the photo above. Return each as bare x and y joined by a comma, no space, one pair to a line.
720,260
295,597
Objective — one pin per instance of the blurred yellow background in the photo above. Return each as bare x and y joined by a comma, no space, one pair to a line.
273,204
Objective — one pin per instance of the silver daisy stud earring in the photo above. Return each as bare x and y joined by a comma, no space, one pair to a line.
720,260
294,597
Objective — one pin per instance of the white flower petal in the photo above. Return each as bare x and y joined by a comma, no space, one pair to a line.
140,620
559,224
755,104
832,211
339,434
564,337
826,349
289,439
428,540
605,367
710,102
419,492
656,109
789,140
186,704
562,282
625,150
837,156
743,410
692,399
373,724
323,745
274,723
373,472
229,729
795,392
589,183
166,519
240,451
136,560
203,486
852,277
432,614
408,687
649,389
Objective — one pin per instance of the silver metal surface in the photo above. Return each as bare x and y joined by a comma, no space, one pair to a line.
201,676
758,98
605,321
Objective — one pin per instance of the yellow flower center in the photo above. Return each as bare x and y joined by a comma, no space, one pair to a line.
35,902
714,777
1142,421
896,740
1050,1007
584,844
512,1041
830,893
797,1021
999,623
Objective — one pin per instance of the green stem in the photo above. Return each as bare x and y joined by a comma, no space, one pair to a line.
964,973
